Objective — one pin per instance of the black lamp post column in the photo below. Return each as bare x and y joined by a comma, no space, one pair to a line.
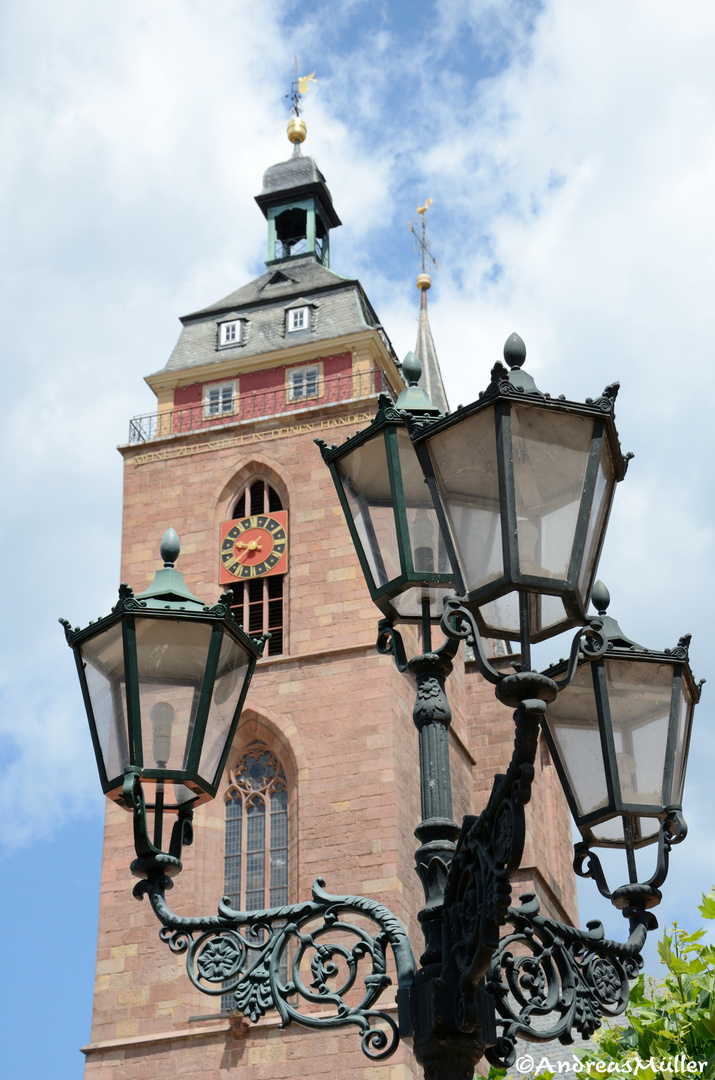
437,831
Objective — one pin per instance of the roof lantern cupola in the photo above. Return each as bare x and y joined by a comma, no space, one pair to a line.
295,199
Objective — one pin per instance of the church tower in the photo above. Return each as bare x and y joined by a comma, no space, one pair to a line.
322,779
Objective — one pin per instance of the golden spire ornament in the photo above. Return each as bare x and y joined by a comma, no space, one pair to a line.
296,125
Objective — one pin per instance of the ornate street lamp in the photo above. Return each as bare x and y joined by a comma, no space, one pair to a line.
619,737
522,487
389,511
164,678
523,484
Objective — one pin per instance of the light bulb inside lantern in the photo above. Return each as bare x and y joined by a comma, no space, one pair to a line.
162,717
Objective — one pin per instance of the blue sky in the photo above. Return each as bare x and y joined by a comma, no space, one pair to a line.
570,152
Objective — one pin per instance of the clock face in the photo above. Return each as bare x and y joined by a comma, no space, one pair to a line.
255,546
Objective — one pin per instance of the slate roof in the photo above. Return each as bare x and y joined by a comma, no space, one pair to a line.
291,173
304,274
338,306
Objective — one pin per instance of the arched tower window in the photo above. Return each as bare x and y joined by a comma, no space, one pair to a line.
256,859
256,851
259,604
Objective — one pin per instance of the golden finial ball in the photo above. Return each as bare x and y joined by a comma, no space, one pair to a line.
297,129
424,282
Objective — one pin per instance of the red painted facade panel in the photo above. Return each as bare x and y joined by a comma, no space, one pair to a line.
264,393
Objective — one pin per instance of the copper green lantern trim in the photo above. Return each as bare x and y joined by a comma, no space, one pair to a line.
164,678
619,736
523,485
389,510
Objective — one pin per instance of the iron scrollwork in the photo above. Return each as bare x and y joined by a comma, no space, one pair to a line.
262,959
489,850
548,979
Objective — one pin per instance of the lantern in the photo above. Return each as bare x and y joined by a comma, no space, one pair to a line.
523,485
164,678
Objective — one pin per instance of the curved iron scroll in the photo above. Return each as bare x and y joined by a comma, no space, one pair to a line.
460,624
548,979
587,864
262,958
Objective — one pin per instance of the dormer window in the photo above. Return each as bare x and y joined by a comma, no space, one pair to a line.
229,333
298,319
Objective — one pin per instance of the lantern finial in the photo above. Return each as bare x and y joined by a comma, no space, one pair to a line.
170,548
600,598
514,351
413,398
168,586
412,369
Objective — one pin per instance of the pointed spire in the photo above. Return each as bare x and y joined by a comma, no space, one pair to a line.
431,379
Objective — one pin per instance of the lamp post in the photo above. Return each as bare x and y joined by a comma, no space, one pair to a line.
521,486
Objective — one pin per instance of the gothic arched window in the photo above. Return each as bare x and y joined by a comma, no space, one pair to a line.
259,603
256,859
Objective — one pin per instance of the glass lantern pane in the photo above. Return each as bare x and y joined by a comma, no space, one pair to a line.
610,832
685,718
548,612
103,658
366,483
464,459
408,604
429,554
550,453
174,793
171,659
639,696
603,492
230,676
572,721
502,615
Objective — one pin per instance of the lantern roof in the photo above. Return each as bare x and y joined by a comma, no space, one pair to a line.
611,631
414,398
168,589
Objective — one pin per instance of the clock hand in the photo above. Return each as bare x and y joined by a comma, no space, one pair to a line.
252,545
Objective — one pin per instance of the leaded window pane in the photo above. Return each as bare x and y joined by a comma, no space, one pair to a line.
256,852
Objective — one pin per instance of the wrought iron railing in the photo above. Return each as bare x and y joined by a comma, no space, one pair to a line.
342,386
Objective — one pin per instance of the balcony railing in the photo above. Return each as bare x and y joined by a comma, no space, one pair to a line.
257,404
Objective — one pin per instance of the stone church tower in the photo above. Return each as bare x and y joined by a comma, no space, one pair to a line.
322,779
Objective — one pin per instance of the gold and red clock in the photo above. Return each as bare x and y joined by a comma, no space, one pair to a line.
255,546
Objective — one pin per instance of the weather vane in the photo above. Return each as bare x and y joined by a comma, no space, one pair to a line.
300,85
423,246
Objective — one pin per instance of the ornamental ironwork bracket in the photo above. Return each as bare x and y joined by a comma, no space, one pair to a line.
548,979
262,959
